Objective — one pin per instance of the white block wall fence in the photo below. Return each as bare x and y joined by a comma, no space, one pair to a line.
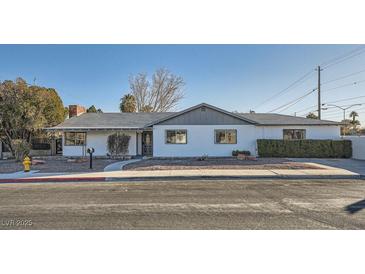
358,146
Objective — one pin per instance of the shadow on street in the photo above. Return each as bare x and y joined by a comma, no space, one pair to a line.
355,207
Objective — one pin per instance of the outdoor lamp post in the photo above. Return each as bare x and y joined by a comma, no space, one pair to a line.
343,108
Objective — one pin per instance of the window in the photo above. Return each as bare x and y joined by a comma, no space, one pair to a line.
41,144
75,138
225,136
178,136
294,134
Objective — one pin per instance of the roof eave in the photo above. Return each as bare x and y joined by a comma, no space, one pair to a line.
94,128
297,124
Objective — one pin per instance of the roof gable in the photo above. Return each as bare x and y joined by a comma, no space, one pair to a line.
203,114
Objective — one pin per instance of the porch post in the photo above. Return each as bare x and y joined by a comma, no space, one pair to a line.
136,143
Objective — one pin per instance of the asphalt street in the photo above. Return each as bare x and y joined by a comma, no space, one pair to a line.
185,204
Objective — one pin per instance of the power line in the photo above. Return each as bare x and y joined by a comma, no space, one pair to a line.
344,57
348,99
337,60
334,112
292,85
344,108
341,61
341,56
345,85
343,77
352,104
311,107
329,110
293,102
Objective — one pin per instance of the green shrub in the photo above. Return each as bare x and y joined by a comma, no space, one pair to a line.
244,152
304,148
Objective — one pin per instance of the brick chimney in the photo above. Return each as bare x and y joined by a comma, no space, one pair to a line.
75,110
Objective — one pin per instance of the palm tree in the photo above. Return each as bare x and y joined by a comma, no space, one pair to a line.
354,122
128,103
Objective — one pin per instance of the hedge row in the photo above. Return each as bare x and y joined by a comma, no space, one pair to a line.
304,148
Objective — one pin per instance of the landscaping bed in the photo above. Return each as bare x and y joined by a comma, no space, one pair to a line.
217,163
57,164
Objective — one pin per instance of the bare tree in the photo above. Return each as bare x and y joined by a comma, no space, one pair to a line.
163,94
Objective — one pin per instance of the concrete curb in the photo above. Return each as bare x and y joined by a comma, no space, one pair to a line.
174,178
51,180
225,177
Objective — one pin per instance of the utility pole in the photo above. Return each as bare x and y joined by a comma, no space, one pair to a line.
319,92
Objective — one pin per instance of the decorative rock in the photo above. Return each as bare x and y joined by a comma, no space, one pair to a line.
251,158
241,156
38,162
81,160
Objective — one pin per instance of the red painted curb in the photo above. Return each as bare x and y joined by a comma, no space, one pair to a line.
68,179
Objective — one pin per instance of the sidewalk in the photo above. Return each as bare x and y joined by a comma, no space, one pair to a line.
325,173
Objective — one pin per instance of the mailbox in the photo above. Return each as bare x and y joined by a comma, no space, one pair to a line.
91,150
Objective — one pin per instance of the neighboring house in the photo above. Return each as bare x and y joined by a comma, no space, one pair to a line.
202,129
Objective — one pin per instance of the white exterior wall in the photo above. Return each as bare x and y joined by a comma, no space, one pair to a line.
358,146
312,132
200,140
98,140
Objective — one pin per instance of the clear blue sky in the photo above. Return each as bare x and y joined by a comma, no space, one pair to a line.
233,77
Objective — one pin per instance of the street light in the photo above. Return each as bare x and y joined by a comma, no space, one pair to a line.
341,107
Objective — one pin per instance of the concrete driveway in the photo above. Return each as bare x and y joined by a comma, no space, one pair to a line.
357,166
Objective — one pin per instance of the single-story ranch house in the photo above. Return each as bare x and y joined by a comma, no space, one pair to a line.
200,130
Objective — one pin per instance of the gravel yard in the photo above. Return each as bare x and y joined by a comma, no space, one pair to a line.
217,163
57,164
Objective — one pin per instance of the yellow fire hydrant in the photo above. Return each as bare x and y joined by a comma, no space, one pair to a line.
27,162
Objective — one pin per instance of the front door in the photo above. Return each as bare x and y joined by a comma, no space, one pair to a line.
147,143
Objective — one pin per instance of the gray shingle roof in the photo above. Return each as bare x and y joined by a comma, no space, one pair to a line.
141,120
111,120
280,119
